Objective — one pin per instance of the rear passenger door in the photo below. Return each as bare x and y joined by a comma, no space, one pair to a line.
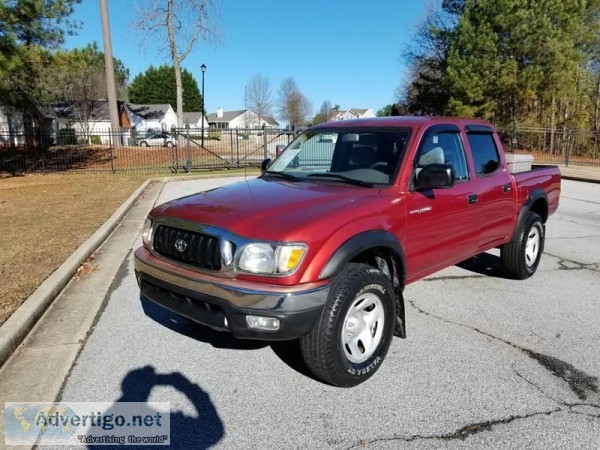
496,197
442,224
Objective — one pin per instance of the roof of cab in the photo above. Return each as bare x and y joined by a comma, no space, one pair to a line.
399,121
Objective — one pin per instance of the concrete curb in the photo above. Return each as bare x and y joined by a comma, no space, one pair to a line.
580,178
18,325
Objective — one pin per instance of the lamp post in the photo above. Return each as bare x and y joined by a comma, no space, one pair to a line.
203,69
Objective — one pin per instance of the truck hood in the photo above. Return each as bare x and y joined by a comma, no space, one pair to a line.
265,208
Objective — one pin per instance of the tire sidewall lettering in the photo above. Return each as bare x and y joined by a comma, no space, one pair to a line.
363,371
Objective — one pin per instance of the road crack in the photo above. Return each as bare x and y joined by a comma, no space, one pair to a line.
461,434
578,381
569,264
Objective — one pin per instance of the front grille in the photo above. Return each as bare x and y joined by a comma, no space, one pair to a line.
201,250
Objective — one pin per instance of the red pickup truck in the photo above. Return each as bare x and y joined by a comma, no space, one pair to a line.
322,244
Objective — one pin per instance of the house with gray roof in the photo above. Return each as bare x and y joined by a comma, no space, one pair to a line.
151,118
194,120
89,119
243,118
352,113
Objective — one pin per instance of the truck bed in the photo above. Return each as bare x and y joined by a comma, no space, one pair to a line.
539,177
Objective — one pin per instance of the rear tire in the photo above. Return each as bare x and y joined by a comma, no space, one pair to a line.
521,256
349,342
144,144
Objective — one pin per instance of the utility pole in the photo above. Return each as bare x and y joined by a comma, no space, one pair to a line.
110,76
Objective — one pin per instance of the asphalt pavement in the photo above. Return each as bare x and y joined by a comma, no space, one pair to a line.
488,363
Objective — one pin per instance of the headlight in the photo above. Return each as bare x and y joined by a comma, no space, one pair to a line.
270,259
147,233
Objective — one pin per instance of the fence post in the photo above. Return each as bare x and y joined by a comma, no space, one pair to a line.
264,130
175,152
42,150
188,164
237,146
112,155
231,143
568,142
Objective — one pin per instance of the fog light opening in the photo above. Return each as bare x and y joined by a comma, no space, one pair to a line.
263,323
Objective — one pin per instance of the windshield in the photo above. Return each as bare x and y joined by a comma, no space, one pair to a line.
358,156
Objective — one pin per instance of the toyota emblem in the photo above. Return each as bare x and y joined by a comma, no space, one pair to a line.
180,245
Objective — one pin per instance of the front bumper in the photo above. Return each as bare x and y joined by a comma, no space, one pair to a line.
223,304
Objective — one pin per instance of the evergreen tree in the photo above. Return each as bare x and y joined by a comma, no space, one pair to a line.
29,29
157,85
535,63
517,59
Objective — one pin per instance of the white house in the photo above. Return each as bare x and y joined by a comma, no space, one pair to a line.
11,126
194,120
243,118
352,113
148,119
94,120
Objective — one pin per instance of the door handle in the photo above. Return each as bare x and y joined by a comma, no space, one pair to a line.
472,198
506,187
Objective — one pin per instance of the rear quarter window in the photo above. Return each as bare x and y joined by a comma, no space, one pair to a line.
485,153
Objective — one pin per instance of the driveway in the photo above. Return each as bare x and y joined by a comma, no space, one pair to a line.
488,362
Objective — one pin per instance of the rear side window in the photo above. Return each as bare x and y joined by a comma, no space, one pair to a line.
485,154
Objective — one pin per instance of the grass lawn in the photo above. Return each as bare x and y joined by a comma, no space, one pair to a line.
43,219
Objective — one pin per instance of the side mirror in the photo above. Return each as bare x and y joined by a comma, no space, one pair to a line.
265,165
434,176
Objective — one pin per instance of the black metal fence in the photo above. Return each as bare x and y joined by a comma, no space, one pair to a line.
181,150
577,147
186,150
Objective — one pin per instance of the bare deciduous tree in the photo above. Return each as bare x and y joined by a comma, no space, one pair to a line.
294,107
259,96
324,114
325,110
182,23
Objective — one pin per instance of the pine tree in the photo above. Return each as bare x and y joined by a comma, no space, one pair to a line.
157,85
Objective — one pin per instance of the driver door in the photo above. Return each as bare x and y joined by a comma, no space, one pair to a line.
442,224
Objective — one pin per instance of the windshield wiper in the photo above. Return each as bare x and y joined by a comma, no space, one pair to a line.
342,178
284,175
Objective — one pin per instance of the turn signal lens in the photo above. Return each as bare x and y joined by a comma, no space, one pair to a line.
289,257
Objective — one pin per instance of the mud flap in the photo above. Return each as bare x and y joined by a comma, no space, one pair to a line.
400,328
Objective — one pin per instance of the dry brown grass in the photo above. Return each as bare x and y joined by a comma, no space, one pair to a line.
43,219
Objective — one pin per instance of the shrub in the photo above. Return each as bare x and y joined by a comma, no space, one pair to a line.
95,139
214,134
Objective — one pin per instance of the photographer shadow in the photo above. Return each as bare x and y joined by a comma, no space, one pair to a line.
200,432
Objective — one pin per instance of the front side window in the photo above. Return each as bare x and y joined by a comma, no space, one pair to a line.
485,154
358,156
443,148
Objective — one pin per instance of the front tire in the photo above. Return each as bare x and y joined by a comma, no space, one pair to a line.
351,339
144,144
521,256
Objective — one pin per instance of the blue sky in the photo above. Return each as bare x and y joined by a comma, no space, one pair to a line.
347,52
